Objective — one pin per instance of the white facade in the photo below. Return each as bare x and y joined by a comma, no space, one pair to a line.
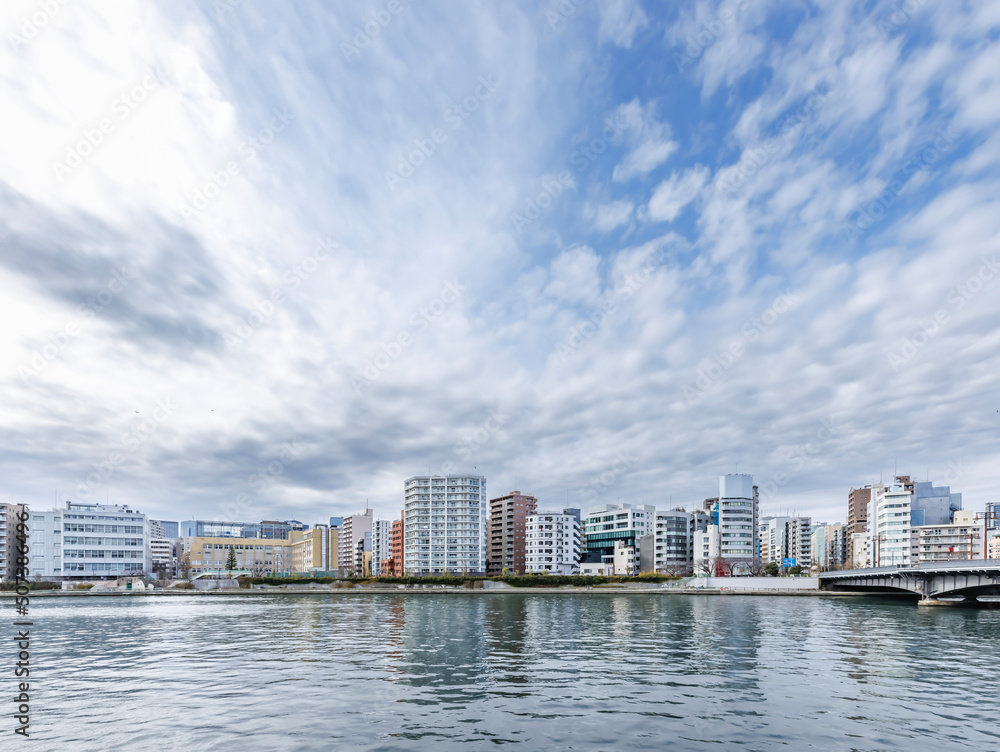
961,540
89,541
738,507
626,559
381,544
786,538
597,569
8,540
706,549
606,525
552,543
444,517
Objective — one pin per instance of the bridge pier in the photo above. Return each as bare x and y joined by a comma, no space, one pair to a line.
968,601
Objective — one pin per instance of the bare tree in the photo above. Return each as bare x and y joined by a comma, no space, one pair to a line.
756,566
705,566
722,567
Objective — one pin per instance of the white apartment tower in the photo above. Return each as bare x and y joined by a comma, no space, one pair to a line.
444,517
552,543
381,544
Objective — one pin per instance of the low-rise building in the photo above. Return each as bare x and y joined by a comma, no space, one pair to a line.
88,542
552,542
961,540
260,556
315,549
626,559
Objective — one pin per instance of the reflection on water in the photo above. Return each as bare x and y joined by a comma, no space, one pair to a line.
587,671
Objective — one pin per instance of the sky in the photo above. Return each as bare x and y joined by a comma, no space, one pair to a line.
266,261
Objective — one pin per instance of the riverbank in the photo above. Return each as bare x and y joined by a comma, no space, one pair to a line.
438,590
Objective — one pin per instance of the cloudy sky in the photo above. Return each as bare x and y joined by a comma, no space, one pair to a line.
267,261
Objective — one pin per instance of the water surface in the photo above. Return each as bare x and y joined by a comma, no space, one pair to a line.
536,671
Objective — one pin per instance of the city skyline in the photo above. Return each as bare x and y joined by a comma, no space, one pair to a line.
650,243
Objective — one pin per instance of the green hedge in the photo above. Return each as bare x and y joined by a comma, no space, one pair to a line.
520,581
32,585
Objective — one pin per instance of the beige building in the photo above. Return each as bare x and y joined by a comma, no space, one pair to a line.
261,556
962,540
995,547
315,550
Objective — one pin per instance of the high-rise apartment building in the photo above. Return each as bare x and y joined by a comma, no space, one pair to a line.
351,534
786,539
88,541
8,540
896,508
552,542
505,536
445,524
857,513
381,545
829,546
396,566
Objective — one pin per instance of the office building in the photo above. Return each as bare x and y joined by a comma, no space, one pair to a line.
164,529
505,534
445,524
218,529
381,545
258,556
738,508
606,525
87,541
552,542
674,539
354,530
315,549
162,557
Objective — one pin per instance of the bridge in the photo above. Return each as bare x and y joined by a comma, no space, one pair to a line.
942,582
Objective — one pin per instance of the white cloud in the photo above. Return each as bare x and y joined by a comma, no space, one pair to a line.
620,20
676,192
615,214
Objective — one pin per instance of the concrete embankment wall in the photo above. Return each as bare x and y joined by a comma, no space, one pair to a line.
753,583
